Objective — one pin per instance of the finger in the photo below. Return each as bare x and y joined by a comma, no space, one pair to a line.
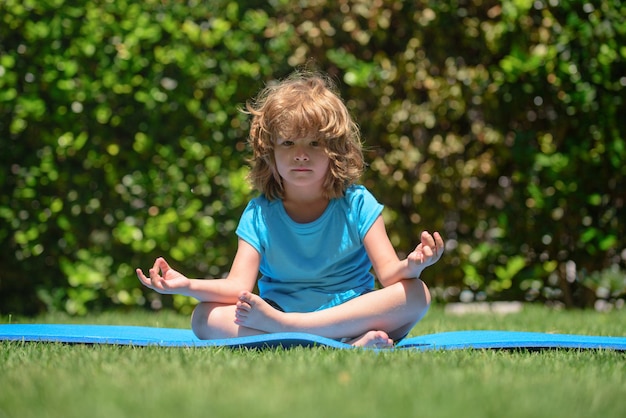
156,265
439,241
428,239
154,277
142,277
416,256
163,265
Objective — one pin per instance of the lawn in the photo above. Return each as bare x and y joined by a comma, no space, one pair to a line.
55,380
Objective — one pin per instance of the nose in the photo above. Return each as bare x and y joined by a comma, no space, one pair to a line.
300,154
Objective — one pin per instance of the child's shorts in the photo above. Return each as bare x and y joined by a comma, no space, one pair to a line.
334,302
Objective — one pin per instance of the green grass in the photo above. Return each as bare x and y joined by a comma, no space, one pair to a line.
55,380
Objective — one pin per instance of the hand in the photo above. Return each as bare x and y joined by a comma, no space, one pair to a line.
427,253
168,282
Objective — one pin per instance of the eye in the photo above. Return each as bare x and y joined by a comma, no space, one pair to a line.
315,144
286,143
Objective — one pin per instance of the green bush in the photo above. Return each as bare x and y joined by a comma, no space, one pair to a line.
122,141
497,123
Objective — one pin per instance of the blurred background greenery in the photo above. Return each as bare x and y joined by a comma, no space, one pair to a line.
499,123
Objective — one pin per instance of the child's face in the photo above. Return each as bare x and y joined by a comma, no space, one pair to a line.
301,162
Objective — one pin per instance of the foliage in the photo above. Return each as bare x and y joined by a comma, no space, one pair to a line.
497,123
122,141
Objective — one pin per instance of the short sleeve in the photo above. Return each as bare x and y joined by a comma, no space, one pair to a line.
366,207
248,228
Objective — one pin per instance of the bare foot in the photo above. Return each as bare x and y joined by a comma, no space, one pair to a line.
253,312
372,339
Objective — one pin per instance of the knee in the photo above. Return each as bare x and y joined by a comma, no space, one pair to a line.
426,293
200,320
211,321
418,296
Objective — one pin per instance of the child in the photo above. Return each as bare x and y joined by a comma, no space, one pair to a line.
313,235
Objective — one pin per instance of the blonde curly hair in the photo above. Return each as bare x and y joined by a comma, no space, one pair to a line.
305,105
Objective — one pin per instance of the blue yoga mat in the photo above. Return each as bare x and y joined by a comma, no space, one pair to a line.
175,337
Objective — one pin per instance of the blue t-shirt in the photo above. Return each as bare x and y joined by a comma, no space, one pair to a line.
316,265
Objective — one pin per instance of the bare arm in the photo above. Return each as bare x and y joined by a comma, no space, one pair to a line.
388,267
244,271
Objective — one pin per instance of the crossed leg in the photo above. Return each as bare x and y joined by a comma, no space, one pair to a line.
374,319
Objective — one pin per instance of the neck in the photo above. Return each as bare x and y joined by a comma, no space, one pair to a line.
303,194
305,207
